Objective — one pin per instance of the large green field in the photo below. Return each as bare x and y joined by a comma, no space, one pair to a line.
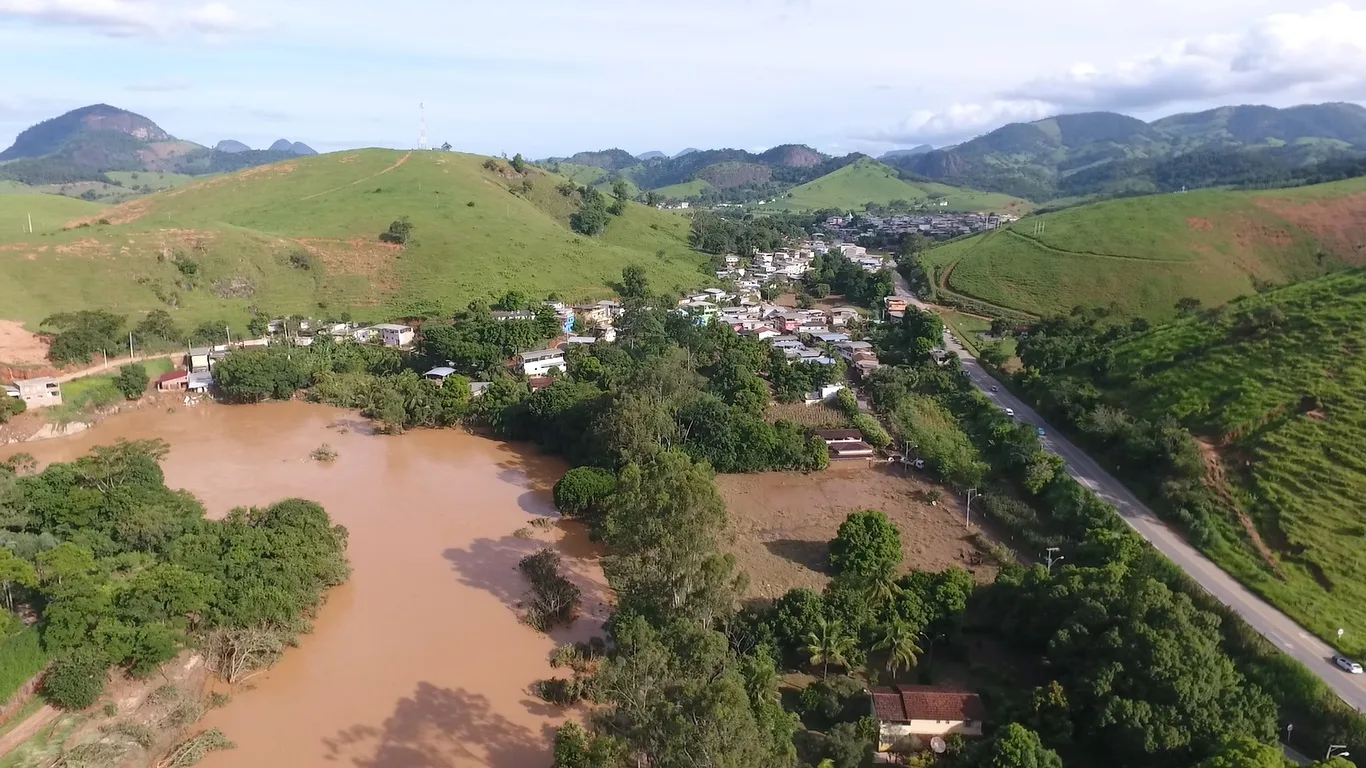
685,189
868,181
1143,254
476,233
1277,383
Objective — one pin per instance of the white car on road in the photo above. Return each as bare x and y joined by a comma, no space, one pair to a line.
1010,412
1347,664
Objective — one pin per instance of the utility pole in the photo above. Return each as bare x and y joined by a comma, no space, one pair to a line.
967,513
1050,559
130,346
30,223
228,330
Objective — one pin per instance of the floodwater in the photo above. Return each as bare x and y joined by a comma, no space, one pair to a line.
419,661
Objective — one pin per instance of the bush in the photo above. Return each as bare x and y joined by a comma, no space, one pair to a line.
581,489
398,232
555,599
873,433
76,680
867,546
132,381
302,259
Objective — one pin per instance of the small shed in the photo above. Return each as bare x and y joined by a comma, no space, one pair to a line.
175,381
440,373
852,450
834,436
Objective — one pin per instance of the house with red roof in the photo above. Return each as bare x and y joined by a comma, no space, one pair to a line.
924,711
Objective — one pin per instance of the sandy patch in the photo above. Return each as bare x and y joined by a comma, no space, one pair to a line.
1199,225
19,346
783,521
124,213
358,256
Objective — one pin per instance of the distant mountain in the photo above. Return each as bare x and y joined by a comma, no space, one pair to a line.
1104,153
650,155
88,143
102,120
302,149
912,152
687,151
292,148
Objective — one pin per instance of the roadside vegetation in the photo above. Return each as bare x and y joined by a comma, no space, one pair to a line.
1236,423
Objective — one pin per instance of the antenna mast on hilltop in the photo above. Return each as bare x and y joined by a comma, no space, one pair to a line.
422,127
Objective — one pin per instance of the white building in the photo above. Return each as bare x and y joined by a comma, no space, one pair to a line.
393,335
541,361
36,393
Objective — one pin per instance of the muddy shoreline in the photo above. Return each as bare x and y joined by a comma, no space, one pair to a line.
420,659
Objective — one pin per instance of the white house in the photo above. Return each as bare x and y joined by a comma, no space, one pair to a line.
36,393
393,335
440,373
824,393
541,361
923,711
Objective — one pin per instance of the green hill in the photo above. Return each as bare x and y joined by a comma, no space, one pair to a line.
868,181
477,231
1277,383
1143,254
685,189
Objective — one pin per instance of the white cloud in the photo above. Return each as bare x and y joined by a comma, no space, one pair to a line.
1317,54
115,17
129,18
219,19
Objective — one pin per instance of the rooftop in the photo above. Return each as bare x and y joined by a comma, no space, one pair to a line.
904,703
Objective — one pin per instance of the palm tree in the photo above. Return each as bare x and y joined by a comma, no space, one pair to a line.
898,640
881,590
829,644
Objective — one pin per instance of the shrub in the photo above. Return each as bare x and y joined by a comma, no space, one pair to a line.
581,489
866,547
555,599
873,433
302,259
132,381
76,680
398,232
324,453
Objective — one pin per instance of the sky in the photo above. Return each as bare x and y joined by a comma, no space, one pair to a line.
552,77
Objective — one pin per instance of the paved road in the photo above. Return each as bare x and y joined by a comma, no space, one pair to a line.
1275,626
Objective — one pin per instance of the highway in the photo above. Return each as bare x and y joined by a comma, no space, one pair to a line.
1275,626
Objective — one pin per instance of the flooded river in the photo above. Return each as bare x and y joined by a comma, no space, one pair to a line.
418,661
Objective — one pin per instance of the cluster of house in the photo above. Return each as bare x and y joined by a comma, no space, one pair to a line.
197,375
762,268
935,225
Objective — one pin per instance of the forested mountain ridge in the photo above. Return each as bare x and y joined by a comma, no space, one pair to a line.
1106,154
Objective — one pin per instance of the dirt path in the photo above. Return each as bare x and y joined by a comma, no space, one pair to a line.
113,365
396,164
28,729
1217,480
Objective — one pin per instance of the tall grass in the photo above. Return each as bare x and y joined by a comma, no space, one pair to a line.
21,657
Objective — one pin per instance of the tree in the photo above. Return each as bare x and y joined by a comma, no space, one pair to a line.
828,644
634,284
253,375
1244,752
898,640
1014,746
76,680
81,335
821,290
157,328
993,355
398,232
652,199
15,571
518,164
621,190
1188,305
582,489
867,546
132,381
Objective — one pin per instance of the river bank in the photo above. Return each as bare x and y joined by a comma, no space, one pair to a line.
420,659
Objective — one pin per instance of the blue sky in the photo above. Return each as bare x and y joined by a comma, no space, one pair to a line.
547,77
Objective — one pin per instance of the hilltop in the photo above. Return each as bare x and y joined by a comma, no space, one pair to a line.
302,236
1104,153
86,145
868,181
1275,386
1143,254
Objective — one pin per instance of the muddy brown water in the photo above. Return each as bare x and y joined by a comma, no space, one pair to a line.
419,660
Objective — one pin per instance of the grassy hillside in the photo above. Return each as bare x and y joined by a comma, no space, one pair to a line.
476,233
868,181
1278,383
1143,254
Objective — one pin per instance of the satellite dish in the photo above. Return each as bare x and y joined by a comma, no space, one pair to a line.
937,744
